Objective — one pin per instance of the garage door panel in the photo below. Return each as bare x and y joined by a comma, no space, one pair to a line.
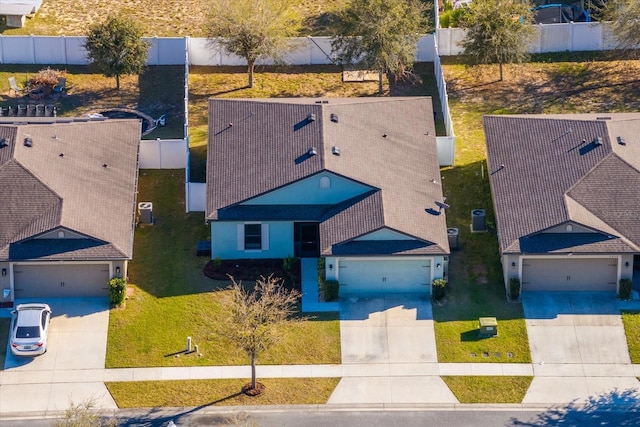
576,274
55,281
384,276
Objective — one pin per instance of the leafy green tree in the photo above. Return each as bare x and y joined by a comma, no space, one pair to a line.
625,24
253,29
256,319
498,32
380,35
116,47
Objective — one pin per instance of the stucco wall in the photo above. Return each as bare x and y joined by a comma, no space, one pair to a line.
225,241
309,192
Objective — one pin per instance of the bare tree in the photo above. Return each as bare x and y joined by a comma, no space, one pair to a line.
256,319
380,35
252,29
84,415
498,32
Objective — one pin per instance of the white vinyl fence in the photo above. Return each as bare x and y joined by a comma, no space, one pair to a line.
579,36
572,37
163,154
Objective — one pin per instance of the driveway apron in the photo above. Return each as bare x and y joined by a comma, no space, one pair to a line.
390,333
71,369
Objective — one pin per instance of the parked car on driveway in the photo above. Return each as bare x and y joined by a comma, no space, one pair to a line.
30,329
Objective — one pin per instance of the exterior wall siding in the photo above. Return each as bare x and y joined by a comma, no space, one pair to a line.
308,191
224,241
384,234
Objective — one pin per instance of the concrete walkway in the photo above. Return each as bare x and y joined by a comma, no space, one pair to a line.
397,376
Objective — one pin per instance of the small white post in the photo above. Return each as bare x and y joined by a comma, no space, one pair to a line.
188,344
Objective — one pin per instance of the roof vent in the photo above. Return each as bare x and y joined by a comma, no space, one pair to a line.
28,142
335,150
3,142
621,141
597,141
61,155
311,117
334,117
312,151
325,102
384,135
603,118
104,165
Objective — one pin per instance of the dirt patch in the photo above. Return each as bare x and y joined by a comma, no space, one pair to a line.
250,270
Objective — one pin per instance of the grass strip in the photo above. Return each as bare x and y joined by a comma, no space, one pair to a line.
226,392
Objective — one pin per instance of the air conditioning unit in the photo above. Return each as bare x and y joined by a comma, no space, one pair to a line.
145,213
478,220
452,233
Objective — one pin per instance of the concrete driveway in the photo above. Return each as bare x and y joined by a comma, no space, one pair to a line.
390,344
71,369
578,347
578,327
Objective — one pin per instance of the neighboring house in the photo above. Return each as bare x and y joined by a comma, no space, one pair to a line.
353,180
566,193
68,205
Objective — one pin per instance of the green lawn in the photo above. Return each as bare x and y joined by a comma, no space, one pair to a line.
488,389
279,391
171,298
631,320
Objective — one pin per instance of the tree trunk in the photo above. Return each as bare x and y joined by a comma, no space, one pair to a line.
501,71
380,88
118,81
250,68
253,372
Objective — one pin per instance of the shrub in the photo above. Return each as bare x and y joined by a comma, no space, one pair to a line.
514,288
438,288
331,290
117,291
217,262
288,263
624,291
322,274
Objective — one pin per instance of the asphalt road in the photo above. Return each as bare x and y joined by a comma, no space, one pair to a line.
628,417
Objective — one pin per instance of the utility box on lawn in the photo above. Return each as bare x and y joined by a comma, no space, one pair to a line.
488,327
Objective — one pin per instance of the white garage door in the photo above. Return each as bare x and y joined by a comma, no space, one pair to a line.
67,280
575,274
384,276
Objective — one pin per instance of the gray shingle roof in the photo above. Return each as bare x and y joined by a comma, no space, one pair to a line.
62,181
256,146
548,170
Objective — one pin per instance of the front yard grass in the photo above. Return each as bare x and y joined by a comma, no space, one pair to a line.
279,391
171,298
480,389
631,321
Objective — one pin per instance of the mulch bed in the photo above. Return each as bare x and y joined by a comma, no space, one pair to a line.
250,270
250,391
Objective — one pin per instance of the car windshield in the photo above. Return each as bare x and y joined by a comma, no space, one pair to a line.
28,332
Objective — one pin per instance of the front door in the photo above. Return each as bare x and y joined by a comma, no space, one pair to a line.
306,239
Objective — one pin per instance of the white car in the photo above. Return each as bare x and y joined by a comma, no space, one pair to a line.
29,329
